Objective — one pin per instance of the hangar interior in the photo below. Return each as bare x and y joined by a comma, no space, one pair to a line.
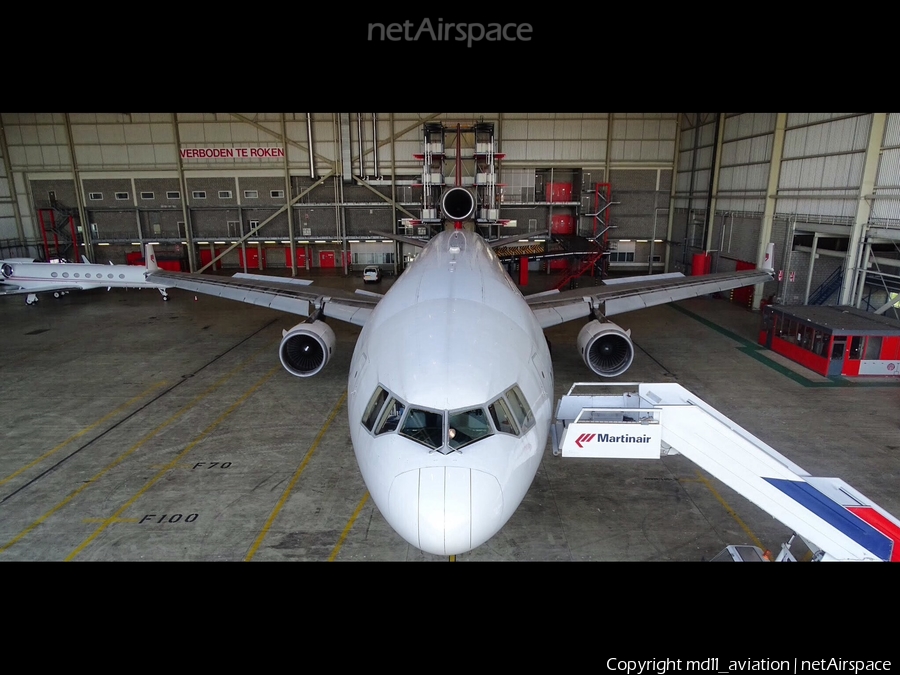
186,445
307,190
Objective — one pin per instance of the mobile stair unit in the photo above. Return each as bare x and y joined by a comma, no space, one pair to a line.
646,421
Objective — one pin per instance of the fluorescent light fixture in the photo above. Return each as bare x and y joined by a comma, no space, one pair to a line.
353,241
153,243
319,241
642,241
384,241
285,242
335,241
303,242
103,243
217,243
624,239
135,243
658,241
184,243
202,243
270,242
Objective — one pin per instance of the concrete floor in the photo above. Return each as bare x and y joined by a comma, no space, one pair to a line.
134,429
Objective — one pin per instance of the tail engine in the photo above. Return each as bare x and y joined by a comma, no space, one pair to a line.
606,348
306,348
457,204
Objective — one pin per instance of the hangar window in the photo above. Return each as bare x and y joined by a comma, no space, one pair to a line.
251,194
121,195
199,194
276,194
95,195
147,195
224,194
173,194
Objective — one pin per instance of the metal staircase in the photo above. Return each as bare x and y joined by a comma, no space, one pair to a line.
827,288
59,234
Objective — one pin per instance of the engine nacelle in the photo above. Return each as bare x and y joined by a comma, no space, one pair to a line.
606,348
457,204
306,348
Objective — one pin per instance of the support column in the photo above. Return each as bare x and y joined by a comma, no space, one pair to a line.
765,232
812,265
863,208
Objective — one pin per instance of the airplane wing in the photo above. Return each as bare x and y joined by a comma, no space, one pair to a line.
12,289
625,295
283,294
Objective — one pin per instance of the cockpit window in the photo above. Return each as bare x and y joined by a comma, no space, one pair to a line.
393,411
467,427
520,408
425,427
374,407
503,421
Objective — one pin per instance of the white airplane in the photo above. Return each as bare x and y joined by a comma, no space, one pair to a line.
22,275
451,382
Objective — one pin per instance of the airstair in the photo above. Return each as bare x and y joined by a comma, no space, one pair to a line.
647,421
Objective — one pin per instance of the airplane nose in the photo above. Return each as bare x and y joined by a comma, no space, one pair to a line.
445,510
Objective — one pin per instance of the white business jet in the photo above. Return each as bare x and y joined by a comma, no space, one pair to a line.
24,276
451,382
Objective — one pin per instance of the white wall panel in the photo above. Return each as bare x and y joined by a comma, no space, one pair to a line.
166,155
141,154
111,133
137,133
85,134
50,156
162,133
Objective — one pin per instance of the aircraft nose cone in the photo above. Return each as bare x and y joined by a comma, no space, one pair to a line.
445,510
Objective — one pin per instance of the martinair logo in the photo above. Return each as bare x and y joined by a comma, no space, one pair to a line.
607,438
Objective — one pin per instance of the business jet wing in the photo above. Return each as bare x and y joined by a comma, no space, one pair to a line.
617,296
11,289
286,295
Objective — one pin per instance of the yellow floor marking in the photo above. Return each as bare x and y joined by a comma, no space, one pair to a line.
337,547
709,486
150,483
290,487
83,431
103,520
218,383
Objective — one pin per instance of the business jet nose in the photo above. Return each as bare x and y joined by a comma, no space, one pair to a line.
445,510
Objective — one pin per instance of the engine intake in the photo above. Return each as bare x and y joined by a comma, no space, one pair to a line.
606,348
306,348
458,204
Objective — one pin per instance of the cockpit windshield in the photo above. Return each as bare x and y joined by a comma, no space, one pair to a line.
447,431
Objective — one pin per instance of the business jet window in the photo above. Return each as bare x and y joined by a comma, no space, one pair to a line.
520,408
374,407
467,427
393,411
425,427
503,421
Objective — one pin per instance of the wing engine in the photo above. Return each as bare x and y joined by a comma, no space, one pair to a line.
606,348
306,348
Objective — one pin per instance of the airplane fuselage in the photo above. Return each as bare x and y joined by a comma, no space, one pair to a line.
80,276
453,347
